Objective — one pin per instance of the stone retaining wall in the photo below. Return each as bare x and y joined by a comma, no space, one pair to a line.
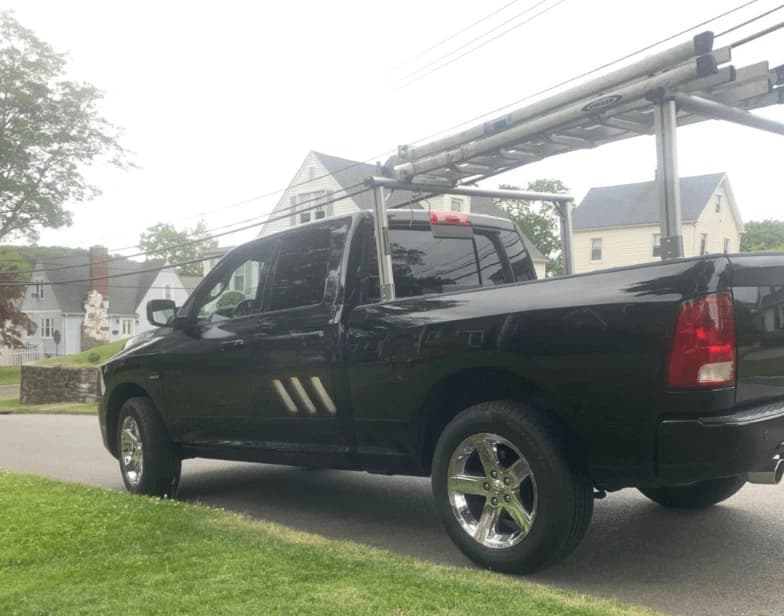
45,384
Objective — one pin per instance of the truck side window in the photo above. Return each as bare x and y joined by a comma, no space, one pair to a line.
239,289
518,257
306,258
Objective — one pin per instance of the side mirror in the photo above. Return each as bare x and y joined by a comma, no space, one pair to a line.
161,312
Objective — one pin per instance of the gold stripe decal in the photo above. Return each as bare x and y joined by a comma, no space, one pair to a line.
323,395
303,396
284,396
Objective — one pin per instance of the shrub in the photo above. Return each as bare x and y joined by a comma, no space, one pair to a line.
94,358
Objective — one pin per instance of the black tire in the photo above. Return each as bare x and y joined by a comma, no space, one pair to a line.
697,495
159,472
564,491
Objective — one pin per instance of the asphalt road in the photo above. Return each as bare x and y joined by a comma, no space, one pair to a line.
726,560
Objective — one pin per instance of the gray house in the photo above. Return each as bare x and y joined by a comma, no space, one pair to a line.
74,297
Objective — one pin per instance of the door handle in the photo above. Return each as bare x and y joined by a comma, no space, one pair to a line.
232,344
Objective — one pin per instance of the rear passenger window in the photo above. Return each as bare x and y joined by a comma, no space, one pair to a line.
305,260
423,264
490,268
516,252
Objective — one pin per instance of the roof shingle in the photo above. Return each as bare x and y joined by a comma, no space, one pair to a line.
637,204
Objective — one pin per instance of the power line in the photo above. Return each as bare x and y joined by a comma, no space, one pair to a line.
455,35
290,210
259,197
171,265
417,74
590,72
756,35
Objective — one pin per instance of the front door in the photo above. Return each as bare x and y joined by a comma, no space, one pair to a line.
209,365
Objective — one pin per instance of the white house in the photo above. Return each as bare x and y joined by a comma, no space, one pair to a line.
619,225
320,175
93,309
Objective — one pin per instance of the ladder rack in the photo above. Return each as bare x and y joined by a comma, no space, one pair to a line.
685,84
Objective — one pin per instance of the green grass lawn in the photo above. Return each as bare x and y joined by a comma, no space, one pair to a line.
10,375
12,405
70,549
82,359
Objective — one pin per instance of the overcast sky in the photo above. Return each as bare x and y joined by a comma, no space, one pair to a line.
221,101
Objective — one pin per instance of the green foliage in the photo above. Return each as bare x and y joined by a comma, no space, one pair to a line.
49,130
104,352
230,299
539,221
94,358
163,241
763,235
70,549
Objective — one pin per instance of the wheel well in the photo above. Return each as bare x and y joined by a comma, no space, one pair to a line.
119,395
466,388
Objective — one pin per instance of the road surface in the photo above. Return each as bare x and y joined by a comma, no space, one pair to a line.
726,560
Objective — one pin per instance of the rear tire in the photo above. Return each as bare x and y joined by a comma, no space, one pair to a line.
499,520
149,463
698,495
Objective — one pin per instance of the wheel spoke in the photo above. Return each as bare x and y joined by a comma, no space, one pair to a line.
518,514
487,454
466,484
487,523
518,472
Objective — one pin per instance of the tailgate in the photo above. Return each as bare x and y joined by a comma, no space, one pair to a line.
758,291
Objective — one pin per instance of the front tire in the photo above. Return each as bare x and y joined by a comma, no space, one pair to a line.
508,489
697,495
149,463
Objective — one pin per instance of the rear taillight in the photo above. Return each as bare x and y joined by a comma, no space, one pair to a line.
703,347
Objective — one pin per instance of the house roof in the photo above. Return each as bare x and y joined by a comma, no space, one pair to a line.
125,292
637,204
348,173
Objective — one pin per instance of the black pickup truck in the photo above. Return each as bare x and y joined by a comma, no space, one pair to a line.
523,399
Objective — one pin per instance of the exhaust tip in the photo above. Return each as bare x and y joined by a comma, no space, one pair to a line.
769,476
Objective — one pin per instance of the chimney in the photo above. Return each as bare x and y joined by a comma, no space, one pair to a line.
99,270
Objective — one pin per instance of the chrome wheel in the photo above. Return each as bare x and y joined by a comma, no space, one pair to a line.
492,490
131,451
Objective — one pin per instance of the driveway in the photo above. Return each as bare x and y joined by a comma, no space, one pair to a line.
727,560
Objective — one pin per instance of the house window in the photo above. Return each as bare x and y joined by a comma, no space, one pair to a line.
657,244
704,244
726,244
47,327
457,205
167,294
126,327
39,289
596,249
718,204
308,201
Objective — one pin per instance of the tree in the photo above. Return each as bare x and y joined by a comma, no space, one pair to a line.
763,235
163,241
538,221
50,129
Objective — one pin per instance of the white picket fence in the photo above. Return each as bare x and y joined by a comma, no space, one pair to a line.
17,357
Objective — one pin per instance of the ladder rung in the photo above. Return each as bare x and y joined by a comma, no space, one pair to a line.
517,155
569,141
628,125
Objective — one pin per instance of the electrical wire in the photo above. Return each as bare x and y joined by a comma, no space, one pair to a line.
452,36
588,73
417,75
171,265
291,209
